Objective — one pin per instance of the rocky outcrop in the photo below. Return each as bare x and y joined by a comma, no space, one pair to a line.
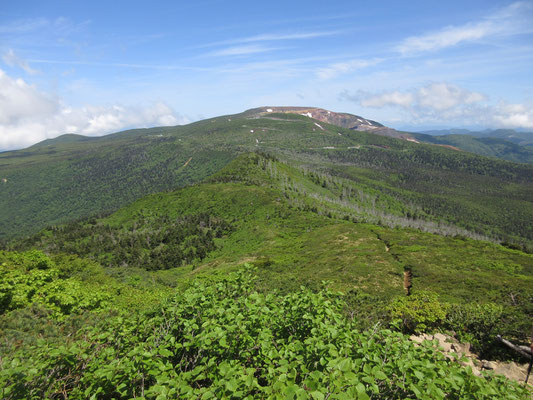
448,345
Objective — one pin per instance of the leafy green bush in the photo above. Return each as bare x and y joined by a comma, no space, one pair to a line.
21,288
225,340
419,312
368,310
476,323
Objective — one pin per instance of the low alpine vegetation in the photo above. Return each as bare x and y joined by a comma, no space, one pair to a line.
223,339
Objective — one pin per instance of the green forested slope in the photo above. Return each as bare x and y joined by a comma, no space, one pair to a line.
485,146
64,180
252,211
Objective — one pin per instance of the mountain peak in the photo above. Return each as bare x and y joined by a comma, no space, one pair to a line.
343,120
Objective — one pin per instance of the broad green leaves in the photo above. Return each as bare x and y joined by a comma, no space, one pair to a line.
224,340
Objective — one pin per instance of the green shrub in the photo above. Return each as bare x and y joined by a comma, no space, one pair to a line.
225,340
476,323
419,312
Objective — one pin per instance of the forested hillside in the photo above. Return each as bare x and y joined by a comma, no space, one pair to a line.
67,179
263,211
500,147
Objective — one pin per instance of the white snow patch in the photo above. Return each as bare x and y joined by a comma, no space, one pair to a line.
256,140
329,112
251,131
412,140
319,126
340,134
269,110
360,120
307,114
354,147
328,147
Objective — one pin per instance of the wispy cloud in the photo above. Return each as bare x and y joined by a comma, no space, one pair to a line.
507,21
290,36
259,43
241,50
341,68
394,98
121,65
11,59
58,26
272,37
24,26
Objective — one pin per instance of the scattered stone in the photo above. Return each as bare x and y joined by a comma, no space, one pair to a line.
462,348
416,339
449,344
511,370
443,342
488,364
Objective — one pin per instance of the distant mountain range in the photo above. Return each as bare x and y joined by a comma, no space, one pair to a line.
390,176
506,144
511,135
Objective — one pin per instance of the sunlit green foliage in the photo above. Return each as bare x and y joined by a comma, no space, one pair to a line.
274,226
80,327
419,312
225,340
37,282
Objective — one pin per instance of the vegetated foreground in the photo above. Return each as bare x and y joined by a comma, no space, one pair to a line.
146,302
226,340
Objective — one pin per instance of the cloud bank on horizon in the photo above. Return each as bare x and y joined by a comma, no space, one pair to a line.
443,101
76,69
28,116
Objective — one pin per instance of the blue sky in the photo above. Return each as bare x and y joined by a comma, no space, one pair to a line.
98,67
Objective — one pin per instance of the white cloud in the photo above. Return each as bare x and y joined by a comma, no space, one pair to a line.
336,69
28,116
11,59
507,21
444,103
514,115
435,97
20,101
449,36
394,98
443,96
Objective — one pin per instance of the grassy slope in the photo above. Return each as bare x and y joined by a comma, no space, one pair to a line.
54,183
291,247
